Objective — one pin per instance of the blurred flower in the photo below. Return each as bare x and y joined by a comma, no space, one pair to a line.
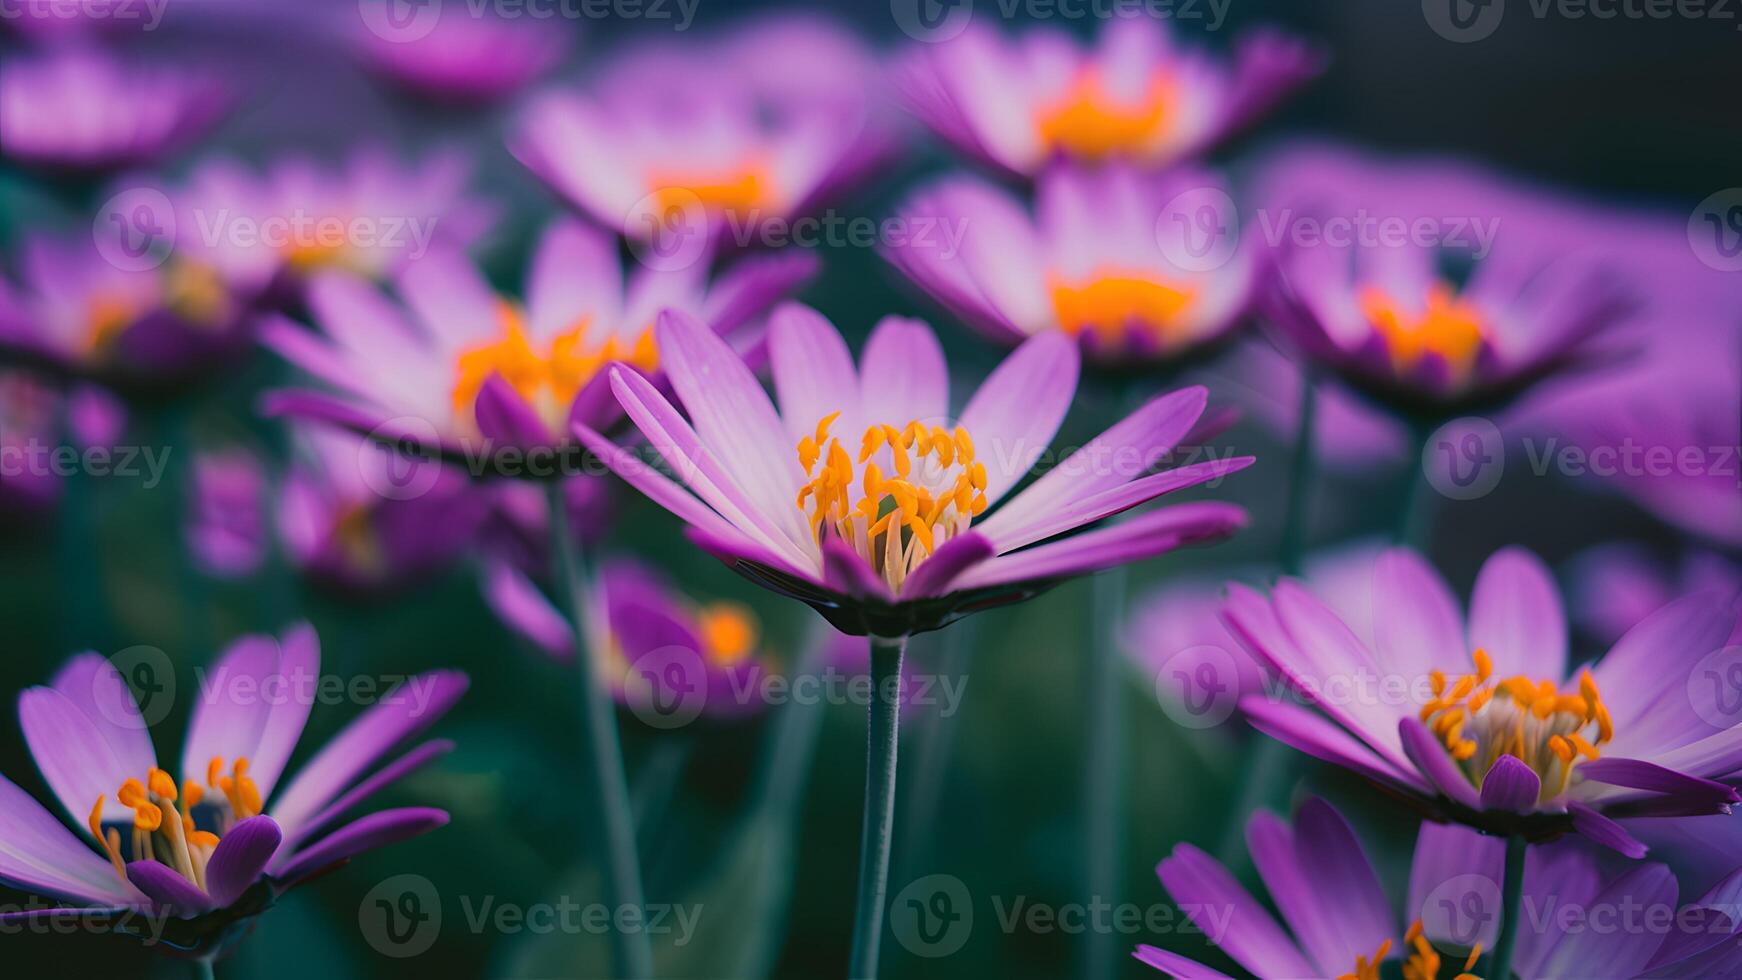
1133,267
1454,903
468,365
216,846
652,645
227,531
363,517
759,125
1516,744
1019,103
1614,587
463,59
80,111
1443,296
1348,431
30,417
884,546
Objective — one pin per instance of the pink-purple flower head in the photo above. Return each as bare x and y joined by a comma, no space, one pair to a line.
1021,103
462,59
36,419
1576,920
1482,719
866,497
461,371
79,111
713,137
665,655
1136,268
215,839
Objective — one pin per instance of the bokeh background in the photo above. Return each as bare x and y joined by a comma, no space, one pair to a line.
1631,113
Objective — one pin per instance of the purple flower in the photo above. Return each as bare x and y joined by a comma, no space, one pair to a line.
759,125
1368,263
1571,924
654,646
898,533
1483,718
227,531
79,110
1614,587
359,517
1348,431
1018,104
463,59
216,841
1132,266
459,365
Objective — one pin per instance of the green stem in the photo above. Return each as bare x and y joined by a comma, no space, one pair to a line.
1415,510
1500,967
1300,479
1104,783
939,736
203,969
632,953
879,823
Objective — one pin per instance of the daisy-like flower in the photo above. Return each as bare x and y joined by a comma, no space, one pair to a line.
79,111
1132,266
1483,720
659,650
460,365
1582,922
758,125
463,59
864,496
215,840
1019,104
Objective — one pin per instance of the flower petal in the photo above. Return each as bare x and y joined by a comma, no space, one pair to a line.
90,681
1146,536
1018,409
813,372
1330,857
37,852
505,418
1255,941
526,610
902,375
1431,758
1604,831
1510,785
382,778
934,575
240,857
1417,626
1620,952
1175,965
364,834
168,889
1516,615
71,752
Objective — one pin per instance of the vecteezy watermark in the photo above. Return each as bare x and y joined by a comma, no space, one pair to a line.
669,687
934,917
1465,909
1465,21
1471,234
936,21
1199,229
148,14
1715,230
135,230
834,230
36,917
402,917
1465,458
405,21
1198,686
1714,688
35,458
302,687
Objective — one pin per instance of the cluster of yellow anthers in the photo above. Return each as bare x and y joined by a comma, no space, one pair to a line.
1448,326
1480,719
734,190
1089,121
1114,301
192,291
937,489
549,379
1423,962
163,810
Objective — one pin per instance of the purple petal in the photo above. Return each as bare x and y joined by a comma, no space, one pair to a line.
71,751
364,834
1197,882
576,272
1604,831
37,852
903,377
1417,626
168,889
386,776
1616,952
1516,616
1175,965
1510,785
241,855
1017,410
1431,758
955,556
450,297
1272,845
1656,656
1701,925
845,571
1331,859
1444,853
505,419
1305,731
749,287
1653,778
813,371
1088,510
520,605
253,704
1146,536
92,683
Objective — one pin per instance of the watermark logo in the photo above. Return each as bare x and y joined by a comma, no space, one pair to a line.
1465,458
1715,230
1199,229
1715,688
932,21
1461,909
933,916
667,687
150,682
135,230
393,461
402,916
669,229
400,21
1463,21
1199,686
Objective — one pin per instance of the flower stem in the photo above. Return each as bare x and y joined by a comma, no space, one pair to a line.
1500,967
1415,506
203,970
1300,478
874,843
1104,783
632,953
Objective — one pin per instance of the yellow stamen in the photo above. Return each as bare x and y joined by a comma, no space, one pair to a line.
728,632
549,379
1112,302
1091,122
1447,326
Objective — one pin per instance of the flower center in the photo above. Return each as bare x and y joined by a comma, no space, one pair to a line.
1089,121
731,191
1448,326
1423,962
894,522
548,379
728,632
1480,719
1112,302
193,291
163,827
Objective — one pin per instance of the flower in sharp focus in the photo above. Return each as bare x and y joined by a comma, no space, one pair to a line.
1483,719
216,840
655,647
1453,908
462,60
79,111
864,497
1018,104
762,124
1134,267
461,366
